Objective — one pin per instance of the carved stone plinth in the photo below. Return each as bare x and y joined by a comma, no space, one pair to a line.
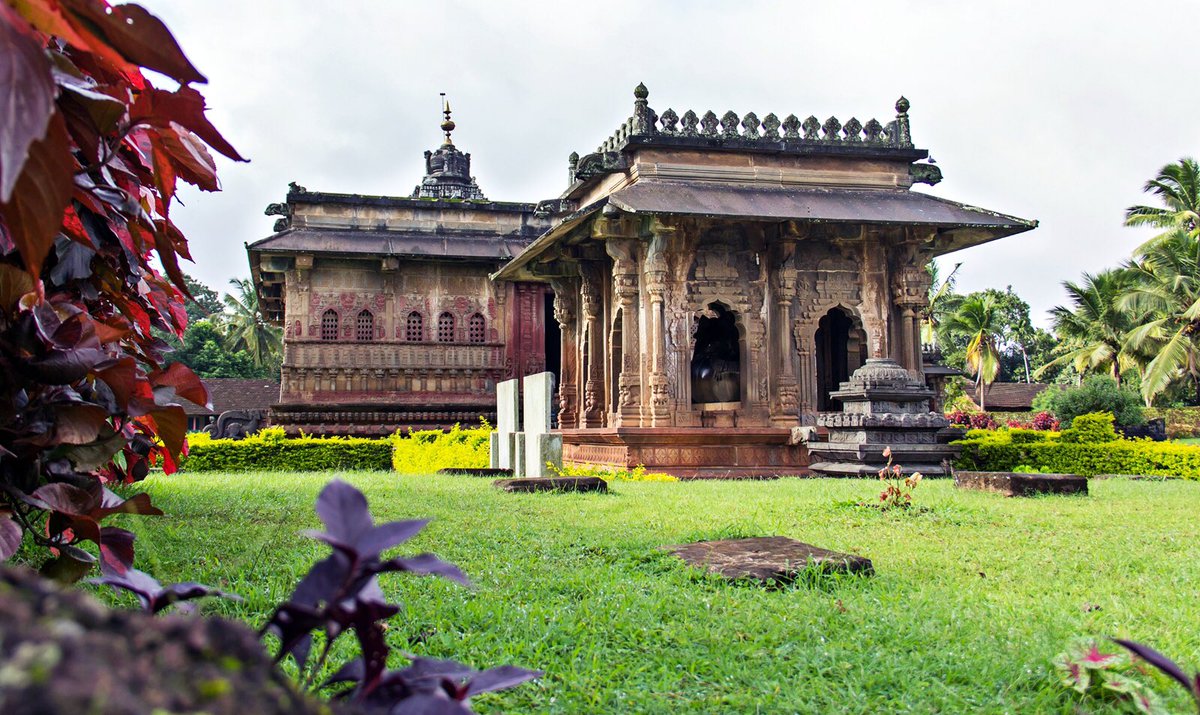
690,452
772,559
882,406
476,472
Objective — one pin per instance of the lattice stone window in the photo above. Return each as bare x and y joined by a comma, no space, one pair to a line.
445,328
329,325
475,329
414,330
365,327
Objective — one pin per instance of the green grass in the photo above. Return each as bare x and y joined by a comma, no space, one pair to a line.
972,598
1187,440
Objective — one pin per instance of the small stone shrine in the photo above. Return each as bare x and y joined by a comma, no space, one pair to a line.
883,405
716,277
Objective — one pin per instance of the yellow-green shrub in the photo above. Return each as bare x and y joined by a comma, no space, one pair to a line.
271,450
1002,450
427,451
637,474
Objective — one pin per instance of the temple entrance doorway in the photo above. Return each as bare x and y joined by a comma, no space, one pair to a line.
716,359
552,349
841,349
614,364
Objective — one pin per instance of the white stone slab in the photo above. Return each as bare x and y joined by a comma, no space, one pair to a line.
541,451
508,421
539,394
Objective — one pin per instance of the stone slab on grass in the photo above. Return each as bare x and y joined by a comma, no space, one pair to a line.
1012,484
476,472
552,484
770,559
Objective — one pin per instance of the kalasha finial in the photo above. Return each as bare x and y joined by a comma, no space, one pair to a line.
640,91
448,123
902,105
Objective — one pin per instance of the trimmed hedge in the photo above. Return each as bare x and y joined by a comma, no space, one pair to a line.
1181,421
271,450
1086,449
427,451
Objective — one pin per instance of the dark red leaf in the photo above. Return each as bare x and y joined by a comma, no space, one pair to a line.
48,17
426,564
506,676
66,499
1158,660
185,107
27,94
125,380
137,504
140,38
185,382
116,550
78,423
34,212
68,567
343,510
385,536
171,426
423,704
10,536
187,157
84,528
177,592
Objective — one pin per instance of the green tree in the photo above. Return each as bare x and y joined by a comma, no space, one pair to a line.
1094,330
978,321
203,350
935,310
1166,287
1178,187
1021,346
205,304
246,329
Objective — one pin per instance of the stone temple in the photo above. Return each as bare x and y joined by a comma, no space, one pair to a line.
702,289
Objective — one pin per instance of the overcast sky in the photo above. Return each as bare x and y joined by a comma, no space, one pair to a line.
1056,111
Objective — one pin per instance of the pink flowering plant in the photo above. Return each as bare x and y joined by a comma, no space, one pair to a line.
1115,678
898,489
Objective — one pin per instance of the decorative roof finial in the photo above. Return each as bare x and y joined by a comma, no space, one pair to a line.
448,123
902,105
640,91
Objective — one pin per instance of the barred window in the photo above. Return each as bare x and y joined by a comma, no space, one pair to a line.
414,331
475,333
445,328
329,325
365,329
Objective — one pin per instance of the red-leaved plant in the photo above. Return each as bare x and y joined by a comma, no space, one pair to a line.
1169,667
90,155
341,593
897,488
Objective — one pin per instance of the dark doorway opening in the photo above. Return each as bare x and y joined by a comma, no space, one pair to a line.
841,349
615,363
552,350
716,360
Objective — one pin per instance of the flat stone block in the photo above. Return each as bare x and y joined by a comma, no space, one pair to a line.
552,484
771,559
1012,484
476,472
540,451
538,402
516,442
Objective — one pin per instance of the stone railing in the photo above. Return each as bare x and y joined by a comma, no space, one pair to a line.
386,356
749,128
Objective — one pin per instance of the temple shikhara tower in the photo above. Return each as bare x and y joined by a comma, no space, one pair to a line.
714,281
390,320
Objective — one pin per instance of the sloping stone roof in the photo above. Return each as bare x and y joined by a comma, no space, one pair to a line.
1009,396
231,393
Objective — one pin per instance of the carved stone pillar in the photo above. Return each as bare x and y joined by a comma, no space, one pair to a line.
592,344
910,293
565,293
625,290
656,287
785,396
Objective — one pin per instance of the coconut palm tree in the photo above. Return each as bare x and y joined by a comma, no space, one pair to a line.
977,320
1094,329
1166,288
1178,186
931,316
245,328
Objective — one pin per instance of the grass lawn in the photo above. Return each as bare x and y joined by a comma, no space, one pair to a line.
972,598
